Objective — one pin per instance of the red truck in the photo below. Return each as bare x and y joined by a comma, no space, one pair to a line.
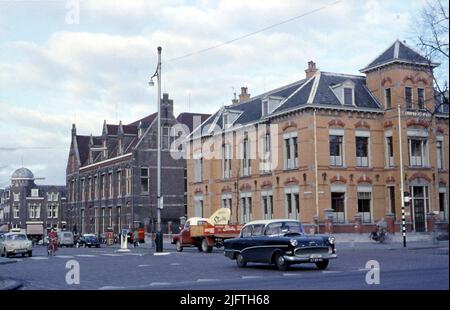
206,233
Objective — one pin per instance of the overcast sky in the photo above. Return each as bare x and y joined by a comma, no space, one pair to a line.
56,70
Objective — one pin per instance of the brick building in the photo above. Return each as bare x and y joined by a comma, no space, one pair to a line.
36,208
111,178
326,150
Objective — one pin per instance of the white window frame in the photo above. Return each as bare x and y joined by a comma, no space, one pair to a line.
352,88
34,192
267,196
226,161
246,207
412,97
338,215
198,163
418,98
198,206
443,215
385,98
289,198
265,165
363,162
142,178
366,217
16,212
440,155
422,160
338,161
389,159
290,160
245,162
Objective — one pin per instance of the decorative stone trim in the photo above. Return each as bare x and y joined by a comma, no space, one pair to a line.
198,190
409,77
440,130
245,187
422,79
289,124
388,124
291,181
364,179
442,182
336,123
266,184
386,80
362,124
414,122
390,179
226,189
338,179
419,175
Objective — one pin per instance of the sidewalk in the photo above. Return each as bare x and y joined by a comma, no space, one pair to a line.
8,284
397,237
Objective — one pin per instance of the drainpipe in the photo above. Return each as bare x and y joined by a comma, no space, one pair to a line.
316,169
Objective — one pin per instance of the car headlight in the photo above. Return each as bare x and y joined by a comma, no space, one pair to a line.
331,239
293,242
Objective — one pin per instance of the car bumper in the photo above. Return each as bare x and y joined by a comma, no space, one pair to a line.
18,251
313,258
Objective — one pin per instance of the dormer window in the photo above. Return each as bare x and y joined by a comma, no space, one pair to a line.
270,104
229,117
348,96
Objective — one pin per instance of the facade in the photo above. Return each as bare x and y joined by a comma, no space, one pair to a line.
327,150
36,208
111,178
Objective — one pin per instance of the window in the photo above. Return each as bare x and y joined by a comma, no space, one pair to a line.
198,206
145,180
292,203
265,107
290,150
111,192
34,212
362,151
83,191
389,152
96,220
245,161
246,232
267,203
35,192
103,179
246,207
408,97
338,206
421,98
119,183
226,201
364,202
387,98
391,198
226,161
348,96
52,211
90,188
103,220
16,196
95,187
16,212
185,181
440,154
119,218
442,205
417,152
167,137
198,169
265,159
336,152
128,181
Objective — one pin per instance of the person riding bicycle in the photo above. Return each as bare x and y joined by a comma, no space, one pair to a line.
380,232
53,239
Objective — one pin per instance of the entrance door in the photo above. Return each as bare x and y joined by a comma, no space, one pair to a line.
419,201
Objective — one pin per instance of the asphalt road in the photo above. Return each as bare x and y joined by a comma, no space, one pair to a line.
104,268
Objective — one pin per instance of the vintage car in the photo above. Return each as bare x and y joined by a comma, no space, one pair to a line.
15,243
88,240
281,242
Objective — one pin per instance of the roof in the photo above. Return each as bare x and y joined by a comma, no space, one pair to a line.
22,174
398,52
146,121
191,119
323,89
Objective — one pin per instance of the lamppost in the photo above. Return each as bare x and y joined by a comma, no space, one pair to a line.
159,235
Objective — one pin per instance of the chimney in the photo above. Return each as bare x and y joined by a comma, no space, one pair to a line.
166,106
311,69
74,130
234,100
244,95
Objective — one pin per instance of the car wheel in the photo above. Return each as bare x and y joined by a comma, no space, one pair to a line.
3,253
23,254
240,261
97,246
323,264
30,253
280,262
206,247
179,246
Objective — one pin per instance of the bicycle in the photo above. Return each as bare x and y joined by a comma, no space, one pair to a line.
51,248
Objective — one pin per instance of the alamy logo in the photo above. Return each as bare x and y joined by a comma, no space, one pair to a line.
73,13
73,275
373,275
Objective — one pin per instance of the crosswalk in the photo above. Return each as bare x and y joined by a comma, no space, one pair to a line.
82,256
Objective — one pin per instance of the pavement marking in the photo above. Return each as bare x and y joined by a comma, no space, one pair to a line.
291,274
251,277
159,283
331,271
133,254
363,269
111,287
86,255
161,254
144,265
207,280
39,257
64,256
112,254
175,264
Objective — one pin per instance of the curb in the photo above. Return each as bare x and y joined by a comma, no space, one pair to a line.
4,261
9,285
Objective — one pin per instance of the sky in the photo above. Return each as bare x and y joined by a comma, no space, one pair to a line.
69,61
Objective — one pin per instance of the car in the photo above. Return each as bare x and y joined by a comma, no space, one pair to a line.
89,240
65,238
281,242
15,243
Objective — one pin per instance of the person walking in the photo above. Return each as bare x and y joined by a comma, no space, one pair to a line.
136,238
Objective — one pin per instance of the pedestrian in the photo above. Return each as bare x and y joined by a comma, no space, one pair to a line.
136,238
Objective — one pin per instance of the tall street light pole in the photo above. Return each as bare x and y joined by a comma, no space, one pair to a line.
159,235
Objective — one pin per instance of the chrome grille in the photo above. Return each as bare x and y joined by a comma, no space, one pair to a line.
311,250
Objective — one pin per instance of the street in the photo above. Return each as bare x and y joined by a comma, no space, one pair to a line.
423,267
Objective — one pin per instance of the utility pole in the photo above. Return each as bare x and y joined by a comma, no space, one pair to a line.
159,235
402,189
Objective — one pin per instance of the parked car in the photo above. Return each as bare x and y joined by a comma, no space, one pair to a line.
15,243
281,242
88,240
65,238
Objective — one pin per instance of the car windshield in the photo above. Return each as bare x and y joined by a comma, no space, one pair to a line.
67,235
16,237
282,228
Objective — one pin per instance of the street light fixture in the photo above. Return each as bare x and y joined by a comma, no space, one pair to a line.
159,235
